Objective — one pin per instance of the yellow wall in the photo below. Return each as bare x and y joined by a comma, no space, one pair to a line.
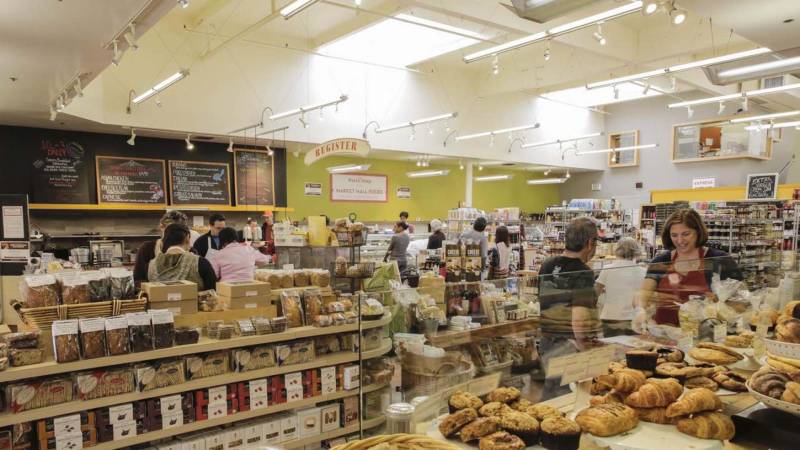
430,197
730,193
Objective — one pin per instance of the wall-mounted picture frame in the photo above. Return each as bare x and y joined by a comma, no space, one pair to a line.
762,186
626,158
718,139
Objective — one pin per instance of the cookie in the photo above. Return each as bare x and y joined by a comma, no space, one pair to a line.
712,356
503,395
452,423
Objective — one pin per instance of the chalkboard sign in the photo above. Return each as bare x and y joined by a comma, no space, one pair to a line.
762,186
254,175
199,183
60,173
130,180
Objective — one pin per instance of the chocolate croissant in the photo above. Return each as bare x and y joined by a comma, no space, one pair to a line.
655,393
769,382
693,401
708,425
608,419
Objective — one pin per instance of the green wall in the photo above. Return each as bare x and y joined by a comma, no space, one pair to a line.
430,197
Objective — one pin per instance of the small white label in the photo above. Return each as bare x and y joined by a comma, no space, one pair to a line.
250,305
89,325
124,430
116,323
161,316
720,331
72,443
172,420
294,395
65,327
293,380
216,396
174,311
258,388
217,411
174,296
702,183
120,413
288,267
138,319
250,293
596,187
171,405
67,426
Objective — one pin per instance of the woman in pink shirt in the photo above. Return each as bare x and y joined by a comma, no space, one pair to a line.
234,261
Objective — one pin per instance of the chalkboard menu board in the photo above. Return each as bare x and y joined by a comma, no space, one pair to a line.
60,173
199,183
762,186
254,175
130,180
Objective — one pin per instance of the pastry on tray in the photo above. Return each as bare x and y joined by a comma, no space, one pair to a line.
655,393
738,341
730,380
769,382
609,419
494,409
560,433
501,440
503,395
670,354
708,425
610,397
792,393
521,404
656,415
522,425
541,411
452,423
478,428
694,401
462,400
626,380
715,354
701,382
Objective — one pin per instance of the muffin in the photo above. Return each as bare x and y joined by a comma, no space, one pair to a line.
501,441
479,428
494,409
522,425
670,354
503,395
541,412
641,359
462,400
521,404
559,433
452,423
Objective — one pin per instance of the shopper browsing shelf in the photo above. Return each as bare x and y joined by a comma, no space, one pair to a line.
501,254
399,245
617,287
476,236
175,262
148,250
235,261
685,269
404,219
436,239
210,240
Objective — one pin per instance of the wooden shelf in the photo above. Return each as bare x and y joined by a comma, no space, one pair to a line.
721,158
447,339
204,345
245,415
367,424
147,207
386,346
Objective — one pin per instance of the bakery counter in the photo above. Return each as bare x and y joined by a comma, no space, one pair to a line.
446,339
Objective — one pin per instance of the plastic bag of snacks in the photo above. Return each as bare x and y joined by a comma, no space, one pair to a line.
122,286
74,289
65,341
117,337
312,299
319,277
93,337
163,328
99,285
300,278
292,308
140,332
39,290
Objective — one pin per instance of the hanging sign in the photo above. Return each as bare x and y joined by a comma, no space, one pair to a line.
762,186
701,183
353,187
313,189
338,147
15,251
403,192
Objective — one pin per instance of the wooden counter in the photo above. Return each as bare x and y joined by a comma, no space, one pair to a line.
447,339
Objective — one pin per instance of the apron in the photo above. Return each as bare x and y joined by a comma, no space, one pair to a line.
681,286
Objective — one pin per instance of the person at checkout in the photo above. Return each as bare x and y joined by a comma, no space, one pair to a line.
236,261
175,262
210,240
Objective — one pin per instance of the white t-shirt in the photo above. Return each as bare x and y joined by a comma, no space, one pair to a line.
622,280
505,255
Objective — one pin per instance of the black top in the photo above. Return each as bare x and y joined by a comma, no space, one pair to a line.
563,283
715,261
207,274
435,240
201,244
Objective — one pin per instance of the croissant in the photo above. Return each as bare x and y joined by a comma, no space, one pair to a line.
692,401
625,380
608,419
792,309
792,393
655,415
611,397
655,393
708,425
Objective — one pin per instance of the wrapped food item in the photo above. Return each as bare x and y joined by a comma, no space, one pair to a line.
287,280
340,266
254,358
99,285
274,279
208,301
225,331
74,290
23,339
338,319
104,383
262,325
336,307
320,277
39,290
65,340
122,286
207,365
312,299
327,344
34,394
371,309
212,327
350,317
245,327
300,278
159,374
93,337
117,336
186,335
323,320
296,352
163,328
292,308
25,356
278,324
140,332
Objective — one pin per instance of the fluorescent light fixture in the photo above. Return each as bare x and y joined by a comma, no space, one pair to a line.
547,181
765,117
772,125
427,173
496,132
561,141
772,90
230,146
172,79
681,67
555,31
303,109
618,149
494,177
414,123
422,39
741,95
349,168
295,7
587,98
275,130
777,64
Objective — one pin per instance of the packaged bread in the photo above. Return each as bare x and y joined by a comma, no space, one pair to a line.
104,383
244,327
208,301
122,286
140,332
25,356
39,290
300,278
320,277
92,337
74,289
159,374
312,299
340,266
274,278
23,339
163,328
186,335
292,308
65,340
254,358
278,324
34,394
287,280
117,337
99,285
207,364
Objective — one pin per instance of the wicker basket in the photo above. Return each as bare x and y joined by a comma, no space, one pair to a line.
44,317
399,442
424,375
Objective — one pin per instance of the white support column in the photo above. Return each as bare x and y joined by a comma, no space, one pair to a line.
468,187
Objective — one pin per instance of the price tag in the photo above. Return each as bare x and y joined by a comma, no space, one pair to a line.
720,331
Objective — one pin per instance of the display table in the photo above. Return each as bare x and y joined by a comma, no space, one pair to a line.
447,339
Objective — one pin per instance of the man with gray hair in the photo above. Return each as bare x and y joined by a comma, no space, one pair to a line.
568,300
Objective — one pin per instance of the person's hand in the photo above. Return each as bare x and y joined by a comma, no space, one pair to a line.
639,322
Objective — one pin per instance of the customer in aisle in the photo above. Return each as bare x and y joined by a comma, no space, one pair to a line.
251,232
176,262
210,240
235,261
476,236
685,269
398,246
567,299
437,237
617,287
500,254
148,250
404,219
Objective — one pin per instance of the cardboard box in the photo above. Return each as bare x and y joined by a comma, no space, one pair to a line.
253,434
216,440
170,291
192,443
351,378
258,301
235,438
350,411
177,308
234,289
331,419
272,429
309,422
294,395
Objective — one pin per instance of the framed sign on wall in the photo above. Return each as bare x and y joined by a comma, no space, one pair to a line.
354,187
197,183
254,177
131,180
762,186
626,158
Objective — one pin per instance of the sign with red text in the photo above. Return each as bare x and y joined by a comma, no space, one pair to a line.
338,147
354,187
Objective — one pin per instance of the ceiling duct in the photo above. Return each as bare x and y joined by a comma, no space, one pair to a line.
755,67
541,11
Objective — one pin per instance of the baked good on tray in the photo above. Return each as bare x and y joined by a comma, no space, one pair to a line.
560,433
738,341
494,409
694,401
625,380
501,440
708,425
462,400
701,382
610,397
608,419
769,382
521,404
478,428
503,395
715,354
541,411
522,425
655,393
670,354
655,415
792,393
730,380
452,423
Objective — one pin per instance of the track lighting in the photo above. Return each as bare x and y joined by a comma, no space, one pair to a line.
745,105
447,127
759,127
689,111
495,66
132,140
567,175
547,51
677,16
169,81
413,123
495,132
413,134
649,7
428,173
561,141
494,178
130,37
460,165
349,168
721,108
646,88
598,35
183,3
189,145
617,149
547,172
230,146
765,117
117,54
491,141
305,109
673,83
78,87
430,130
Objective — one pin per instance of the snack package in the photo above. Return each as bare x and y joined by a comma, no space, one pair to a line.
207,365
28,395
163,328
104,383
208,301
65,340
140,331
117,336
186,335
93,337
245,327
122,286
254,358
74,289
25,356
39,290
261,324
297,352
312,299
99,285
23,339
300,278
320,277
159,374
287,280
292,308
